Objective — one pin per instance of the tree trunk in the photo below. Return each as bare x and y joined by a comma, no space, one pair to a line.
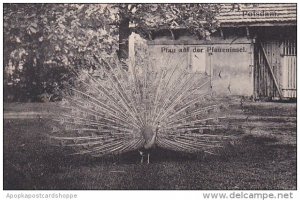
124,33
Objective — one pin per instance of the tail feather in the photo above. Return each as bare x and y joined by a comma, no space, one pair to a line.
105,114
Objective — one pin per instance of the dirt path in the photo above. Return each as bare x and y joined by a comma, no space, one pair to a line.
25,115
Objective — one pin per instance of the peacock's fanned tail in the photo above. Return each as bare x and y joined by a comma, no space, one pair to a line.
105,112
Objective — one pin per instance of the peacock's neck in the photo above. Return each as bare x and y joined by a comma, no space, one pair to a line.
149,136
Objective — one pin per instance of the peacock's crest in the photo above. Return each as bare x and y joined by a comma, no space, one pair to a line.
115,110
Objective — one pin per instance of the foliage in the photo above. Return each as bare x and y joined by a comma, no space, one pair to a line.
48,39
199,19
44,42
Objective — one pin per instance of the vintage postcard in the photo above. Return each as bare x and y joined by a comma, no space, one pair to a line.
150,96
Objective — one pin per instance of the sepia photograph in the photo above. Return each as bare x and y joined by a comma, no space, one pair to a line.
150,96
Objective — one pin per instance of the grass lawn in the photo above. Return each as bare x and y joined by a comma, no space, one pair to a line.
263,158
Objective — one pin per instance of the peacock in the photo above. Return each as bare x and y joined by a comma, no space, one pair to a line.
117,109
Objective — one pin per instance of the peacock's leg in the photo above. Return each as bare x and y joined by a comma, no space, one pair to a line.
142,159
148,158
142,156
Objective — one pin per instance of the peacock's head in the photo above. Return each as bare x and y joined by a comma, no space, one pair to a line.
149,136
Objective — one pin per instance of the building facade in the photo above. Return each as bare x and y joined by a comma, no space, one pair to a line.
252,54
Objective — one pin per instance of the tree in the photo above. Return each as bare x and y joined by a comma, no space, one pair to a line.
198,19
45,42
52,38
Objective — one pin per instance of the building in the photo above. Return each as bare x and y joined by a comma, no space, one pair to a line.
252,54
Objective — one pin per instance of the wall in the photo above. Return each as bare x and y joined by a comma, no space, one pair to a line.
229,60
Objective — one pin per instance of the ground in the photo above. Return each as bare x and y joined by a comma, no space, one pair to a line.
264,156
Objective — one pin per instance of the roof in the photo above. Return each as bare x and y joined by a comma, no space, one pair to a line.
257,14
